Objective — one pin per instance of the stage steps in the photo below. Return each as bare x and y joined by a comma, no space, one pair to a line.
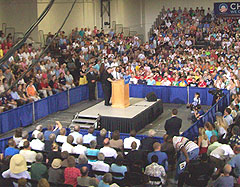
84,121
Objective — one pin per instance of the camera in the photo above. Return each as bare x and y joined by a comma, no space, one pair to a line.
218,93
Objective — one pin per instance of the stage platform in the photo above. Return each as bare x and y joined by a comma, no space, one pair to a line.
136,116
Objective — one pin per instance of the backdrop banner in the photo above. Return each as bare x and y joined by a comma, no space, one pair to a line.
227,9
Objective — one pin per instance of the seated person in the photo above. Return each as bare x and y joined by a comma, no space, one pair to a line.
85,180
100,165
147,143
107,150
225,180
92,151
101,137
67,146
11,150
128,141
89,137
37,144
30,156
197,173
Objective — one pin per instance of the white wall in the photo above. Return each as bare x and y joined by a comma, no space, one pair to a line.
19,14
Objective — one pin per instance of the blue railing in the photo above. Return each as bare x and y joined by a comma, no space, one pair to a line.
27,114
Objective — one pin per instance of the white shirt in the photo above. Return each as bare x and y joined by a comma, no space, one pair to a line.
222,152
30,156
61,139
75,135
128,141
35,133
228,119
37,144
179,142
80,149
88,138
67,147
108,152
100,166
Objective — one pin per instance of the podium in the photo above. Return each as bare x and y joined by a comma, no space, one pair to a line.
120,94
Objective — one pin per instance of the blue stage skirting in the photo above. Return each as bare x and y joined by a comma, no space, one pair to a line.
27,114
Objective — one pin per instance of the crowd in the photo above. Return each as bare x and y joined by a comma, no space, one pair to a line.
170,58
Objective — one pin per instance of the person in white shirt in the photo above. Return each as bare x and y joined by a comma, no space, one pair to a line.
61,138
80,149
67,146
75,134
24,138
37,131
89,137
220,154
227,116
37,144
100,165
188,151
30,156
107,150
128,141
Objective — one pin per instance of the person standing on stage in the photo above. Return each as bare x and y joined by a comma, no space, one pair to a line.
91,78
106,80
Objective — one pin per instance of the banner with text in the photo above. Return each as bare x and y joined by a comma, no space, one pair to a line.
227,9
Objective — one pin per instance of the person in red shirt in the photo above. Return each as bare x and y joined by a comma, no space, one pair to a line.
202,83
71,173
44,88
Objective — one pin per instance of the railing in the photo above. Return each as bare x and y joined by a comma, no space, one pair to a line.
27,114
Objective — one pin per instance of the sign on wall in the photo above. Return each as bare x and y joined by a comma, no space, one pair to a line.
227,9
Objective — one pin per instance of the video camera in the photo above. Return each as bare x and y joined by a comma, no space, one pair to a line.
217,93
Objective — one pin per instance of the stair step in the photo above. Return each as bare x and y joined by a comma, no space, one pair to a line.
84,120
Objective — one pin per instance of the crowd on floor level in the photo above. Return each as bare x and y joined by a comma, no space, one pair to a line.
99,160
170,58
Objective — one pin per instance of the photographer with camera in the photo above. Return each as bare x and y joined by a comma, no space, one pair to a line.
196,101
217,94
198,113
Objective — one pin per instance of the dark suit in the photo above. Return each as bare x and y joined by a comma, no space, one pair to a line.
91,85
173,125
147,144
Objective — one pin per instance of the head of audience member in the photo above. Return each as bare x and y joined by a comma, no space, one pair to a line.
213,139
227,170
103,132
64,155
71,161
107,178
57,163
235,130
91,130
151,133
119,160
52,137
54,147
18,133
11,143
70,139
50,127
18,164
62,131
116,135
134,145
174,112
101,157
39,157
154,159
133,133
22,182
79,140
227,111
40,136
25,135
82,159
43,183
26,145
157,146
236,149
208,126
84,171
93,144
76,128
106,142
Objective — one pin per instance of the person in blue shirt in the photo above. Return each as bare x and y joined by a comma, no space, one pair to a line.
106,181
118,167
92,151
11,150
50,130
162,157
151,81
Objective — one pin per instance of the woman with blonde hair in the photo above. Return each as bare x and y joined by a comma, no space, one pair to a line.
221,126
203,141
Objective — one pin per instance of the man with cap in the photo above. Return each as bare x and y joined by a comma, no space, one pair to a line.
106,80
55,172
17,169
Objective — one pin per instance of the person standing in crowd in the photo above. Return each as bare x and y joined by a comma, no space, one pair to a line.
174,124
106,79
91,78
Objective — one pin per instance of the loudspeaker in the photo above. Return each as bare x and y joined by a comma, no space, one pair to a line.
151,97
